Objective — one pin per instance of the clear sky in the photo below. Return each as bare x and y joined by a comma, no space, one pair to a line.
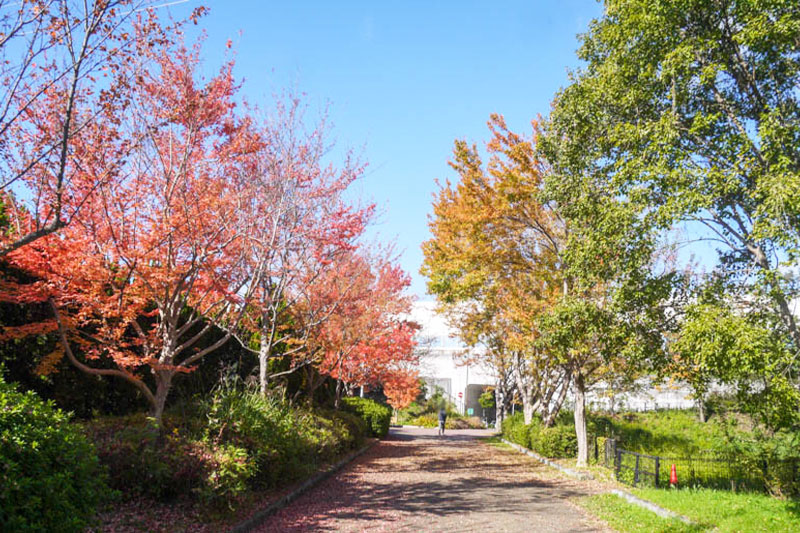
404,80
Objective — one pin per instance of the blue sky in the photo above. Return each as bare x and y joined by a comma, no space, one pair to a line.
404,80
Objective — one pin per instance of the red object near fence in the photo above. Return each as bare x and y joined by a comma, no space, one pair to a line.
673,475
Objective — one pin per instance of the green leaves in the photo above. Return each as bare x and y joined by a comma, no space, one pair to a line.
716,344
50,479
687,112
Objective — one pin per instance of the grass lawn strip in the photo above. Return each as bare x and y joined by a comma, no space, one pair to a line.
650,506
628,518
729,511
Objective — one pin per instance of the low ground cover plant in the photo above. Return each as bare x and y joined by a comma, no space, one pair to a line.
431,420
215,450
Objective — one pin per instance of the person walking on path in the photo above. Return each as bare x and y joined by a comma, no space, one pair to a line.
442,420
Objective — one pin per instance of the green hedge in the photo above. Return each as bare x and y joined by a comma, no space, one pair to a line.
555,441
377,415
50,477
515,430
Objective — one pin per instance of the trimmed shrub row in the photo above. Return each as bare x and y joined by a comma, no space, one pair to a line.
552,442
376,415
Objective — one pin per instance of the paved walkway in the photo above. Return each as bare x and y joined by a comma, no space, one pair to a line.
416,481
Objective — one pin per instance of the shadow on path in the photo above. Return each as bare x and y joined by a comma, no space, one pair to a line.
416,481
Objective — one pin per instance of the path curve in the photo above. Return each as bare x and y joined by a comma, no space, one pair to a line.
417,481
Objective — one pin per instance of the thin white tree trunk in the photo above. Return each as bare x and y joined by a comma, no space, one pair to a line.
580,419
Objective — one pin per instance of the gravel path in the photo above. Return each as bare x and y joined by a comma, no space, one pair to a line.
416,481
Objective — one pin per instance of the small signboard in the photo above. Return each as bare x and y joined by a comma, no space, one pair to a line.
469,411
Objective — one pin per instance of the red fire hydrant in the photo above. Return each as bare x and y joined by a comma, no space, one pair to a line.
673,476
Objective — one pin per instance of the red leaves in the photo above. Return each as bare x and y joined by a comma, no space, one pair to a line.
366,341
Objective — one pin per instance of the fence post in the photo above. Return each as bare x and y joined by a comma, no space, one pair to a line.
636,472
658,465
617,461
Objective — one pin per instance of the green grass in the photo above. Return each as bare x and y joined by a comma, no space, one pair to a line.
667,433
496,442
628,518
729,511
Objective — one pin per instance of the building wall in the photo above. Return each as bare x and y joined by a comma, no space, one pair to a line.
442,359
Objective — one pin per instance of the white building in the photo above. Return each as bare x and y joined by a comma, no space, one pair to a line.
443,361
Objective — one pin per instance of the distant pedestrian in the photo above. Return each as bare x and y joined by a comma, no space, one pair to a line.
442,420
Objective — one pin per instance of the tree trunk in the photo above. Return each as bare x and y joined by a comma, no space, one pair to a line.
555,408
263,358
337,399
580,419
701,408
528,408
163,385
500,407
525,388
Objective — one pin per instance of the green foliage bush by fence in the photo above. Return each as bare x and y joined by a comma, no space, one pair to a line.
376,415
50,477
556,441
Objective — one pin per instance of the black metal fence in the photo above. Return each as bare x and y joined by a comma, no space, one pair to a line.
702,469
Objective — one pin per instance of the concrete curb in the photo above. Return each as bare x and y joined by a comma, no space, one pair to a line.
583,476
260,516
650,506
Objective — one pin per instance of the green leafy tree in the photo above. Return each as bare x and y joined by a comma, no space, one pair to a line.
687,112
741,350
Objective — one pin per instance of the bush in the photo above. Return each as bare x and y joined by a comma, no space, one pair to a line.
515,430
453,422
229,475
283,443
278,440
376,415
556,441
145,464
50,477
215,450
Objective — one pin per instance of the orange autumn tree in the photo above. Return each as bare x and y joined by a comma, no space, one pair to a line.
495,264
295,222
139,276
67,69
401,388
366,341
